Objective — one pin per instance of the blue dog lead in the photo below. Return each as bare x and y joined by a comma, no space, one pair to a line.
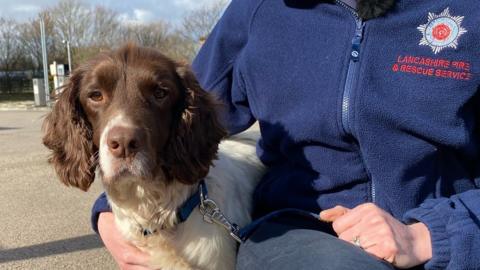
212,214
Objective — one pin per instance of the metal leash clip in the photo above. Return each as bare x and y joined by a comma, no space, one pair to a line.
212,214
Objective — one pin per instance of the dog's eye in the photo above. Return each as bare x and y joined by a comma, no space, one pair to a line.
160,92
96,96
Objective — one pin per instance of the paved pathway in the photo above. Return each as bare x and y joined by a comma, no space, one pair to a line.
26,105
43,224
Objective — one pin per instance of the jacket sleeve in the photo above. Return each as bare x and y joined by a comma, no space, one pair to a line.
100,205
216,65
454,225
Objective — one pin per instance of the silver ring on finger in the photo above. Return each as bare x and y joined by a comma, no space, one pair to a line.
356,241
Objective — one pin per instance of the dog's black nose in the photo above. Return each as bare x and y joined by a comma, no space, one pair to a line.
124,142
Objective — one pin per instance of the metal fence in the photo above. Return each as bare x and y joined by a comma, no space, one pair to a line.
18,81
15,85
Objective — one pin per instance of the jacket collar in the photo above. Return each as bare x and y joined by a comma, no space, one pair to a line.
368,9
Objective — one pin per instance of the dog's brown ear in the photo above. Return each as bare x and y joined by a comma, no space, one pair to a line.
69,135
194,142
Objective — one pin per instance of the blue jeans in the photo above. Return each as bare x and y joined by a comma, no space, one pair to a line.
297,243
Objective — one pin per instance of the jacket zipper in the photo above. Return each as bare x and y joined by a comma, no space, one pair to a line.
353,67
352,73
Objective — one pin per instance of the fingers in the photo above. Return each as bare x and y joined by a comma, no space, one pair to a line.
380,234
133,256
378,245
380,248
330,215
360,217
350,235
372,229
125,254
342,218
362,234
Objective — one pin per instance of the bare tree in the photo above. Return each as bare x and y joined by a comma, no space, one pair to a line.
31,41
154,34
90,30
9,49
105,27
198,24
72,21
179,47
103,34
180,42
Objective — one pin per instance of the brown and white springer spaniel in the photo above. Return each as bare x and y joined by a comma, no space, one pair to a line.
141,123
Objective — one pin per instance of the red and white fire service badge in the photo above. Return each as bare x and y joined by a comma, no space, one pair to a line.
442,31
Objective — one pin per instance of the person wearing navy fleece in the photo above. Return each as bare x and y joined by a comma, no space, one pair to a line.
369,115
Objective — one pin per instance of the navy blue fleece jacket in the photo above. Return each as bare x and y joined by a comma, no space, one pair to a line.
351,111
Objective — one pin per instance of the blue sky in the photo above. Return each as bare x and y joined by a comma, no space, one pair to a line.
129,10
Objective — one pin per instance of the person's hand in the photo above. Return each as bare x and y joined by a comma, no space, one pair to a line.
127,256
380,234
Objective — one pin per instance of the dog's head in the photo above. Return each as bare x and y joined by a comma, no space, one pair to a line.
133,112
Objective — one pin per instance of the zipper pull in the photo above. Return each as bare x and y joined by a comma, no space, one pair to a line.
357,39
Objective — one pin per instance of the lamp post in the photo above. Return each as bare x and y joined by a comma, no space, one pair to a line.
44,59
69,58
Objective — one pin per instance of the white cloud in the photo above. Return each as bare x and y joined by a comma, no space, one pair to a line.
143,15
139,16
125,18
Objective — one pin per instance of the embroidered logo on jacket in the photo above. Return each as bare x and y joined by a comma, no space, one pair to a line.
442,31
